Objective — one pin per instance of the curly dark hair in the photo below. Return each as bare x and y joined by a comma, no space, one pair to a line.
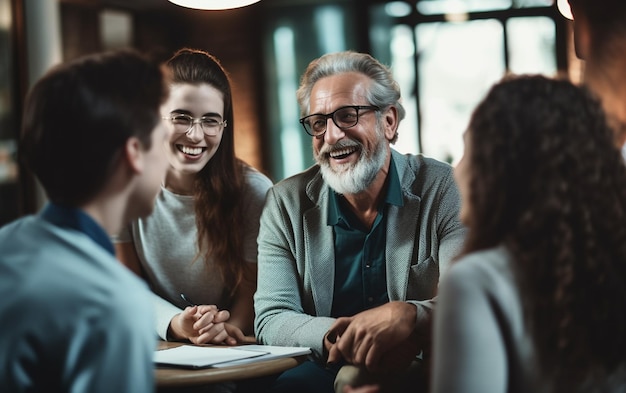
546,180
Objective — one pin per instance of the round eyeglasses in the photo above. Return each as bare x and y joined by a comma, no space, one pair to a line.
344,117
184,123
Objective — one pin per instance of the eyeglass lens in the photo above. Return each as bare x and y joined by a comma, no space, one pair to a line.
345,117
184,123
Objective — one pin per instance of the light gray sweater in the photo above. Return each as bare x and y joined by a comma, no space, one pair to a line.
481,344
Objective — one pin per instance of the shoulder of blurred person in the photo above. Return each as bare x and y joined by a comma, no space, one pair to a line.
91,136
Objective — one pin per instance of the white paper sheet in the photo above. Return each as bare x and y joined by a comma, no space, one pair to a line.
191,356
268,352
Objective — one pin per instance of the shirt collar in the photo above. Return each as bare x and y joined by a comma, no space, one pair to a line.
73,218
393,196
394,189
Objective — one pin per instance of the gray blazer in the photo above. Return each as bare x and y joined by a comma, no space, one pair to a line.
296,254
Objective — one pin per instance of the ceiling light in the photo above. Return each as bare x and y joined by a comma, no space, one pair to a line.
213,4
565,9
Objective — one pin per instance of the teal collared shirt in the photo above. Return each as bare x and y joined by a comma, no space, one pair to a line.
360,278
69,217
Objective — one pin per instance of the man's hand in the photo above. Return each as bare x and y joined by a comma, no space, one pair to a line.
365,338
401,356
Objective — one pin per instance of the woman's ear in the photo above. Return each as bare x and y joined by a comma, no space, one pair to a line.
133,154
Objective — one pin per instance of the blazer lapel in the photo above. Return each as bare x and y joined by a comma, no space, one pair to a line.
320,252
401,232
401,235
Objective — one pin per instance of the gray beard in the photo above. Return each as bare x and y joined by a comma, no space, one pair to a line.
356,178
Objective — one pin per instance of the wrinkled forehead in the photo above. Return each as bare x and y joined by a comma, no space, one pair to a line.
331,92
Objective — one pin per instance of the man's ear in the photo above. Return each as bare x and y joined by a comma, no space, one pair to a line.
390,122
133,154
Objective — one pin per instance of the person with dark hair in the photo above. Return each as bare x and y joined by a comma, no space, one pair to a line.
351,250
73,318
600,40
200,241
537,300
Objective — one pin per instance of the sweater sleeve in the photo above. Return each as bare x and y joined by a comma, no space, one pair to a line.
164,311
469,350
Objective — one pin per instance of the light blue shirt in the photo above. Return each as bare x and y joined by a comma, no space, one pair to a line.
74,319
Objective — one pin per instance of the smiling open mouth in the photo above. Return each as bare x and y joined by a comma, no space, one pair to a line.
191,151
342,153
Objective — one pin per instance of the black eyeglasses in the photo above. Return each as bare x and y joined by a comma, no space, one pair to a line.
344,117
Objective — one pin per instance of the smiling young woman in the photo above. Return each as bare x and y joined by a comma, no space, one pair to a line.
201,238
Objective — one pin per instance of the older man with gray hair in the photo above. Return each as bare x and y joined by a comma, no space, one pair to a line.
351,250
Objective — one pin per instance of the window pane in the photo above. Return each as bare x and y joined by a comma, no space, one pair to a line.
397,9
440,7
532,3
403,68
294,35
457,62
291,138
532,43
9,193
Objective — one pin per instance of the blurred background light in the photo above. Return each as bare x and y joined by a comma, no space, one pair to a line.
213,4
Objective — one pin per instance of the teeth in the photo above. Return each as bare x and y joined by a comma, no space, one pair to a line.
191,150
337,153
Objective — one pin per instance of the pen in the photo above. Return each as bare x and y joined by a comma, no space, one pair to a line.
186,299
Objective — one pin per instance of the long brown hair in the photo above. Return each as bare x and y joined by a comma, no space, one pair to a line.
546,180
218,186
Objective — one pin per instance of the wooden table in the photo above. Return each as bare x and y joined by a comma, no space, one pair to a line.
177,377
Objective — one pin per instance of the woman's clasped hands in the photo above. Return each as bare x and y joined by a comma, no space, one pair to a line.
205,324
